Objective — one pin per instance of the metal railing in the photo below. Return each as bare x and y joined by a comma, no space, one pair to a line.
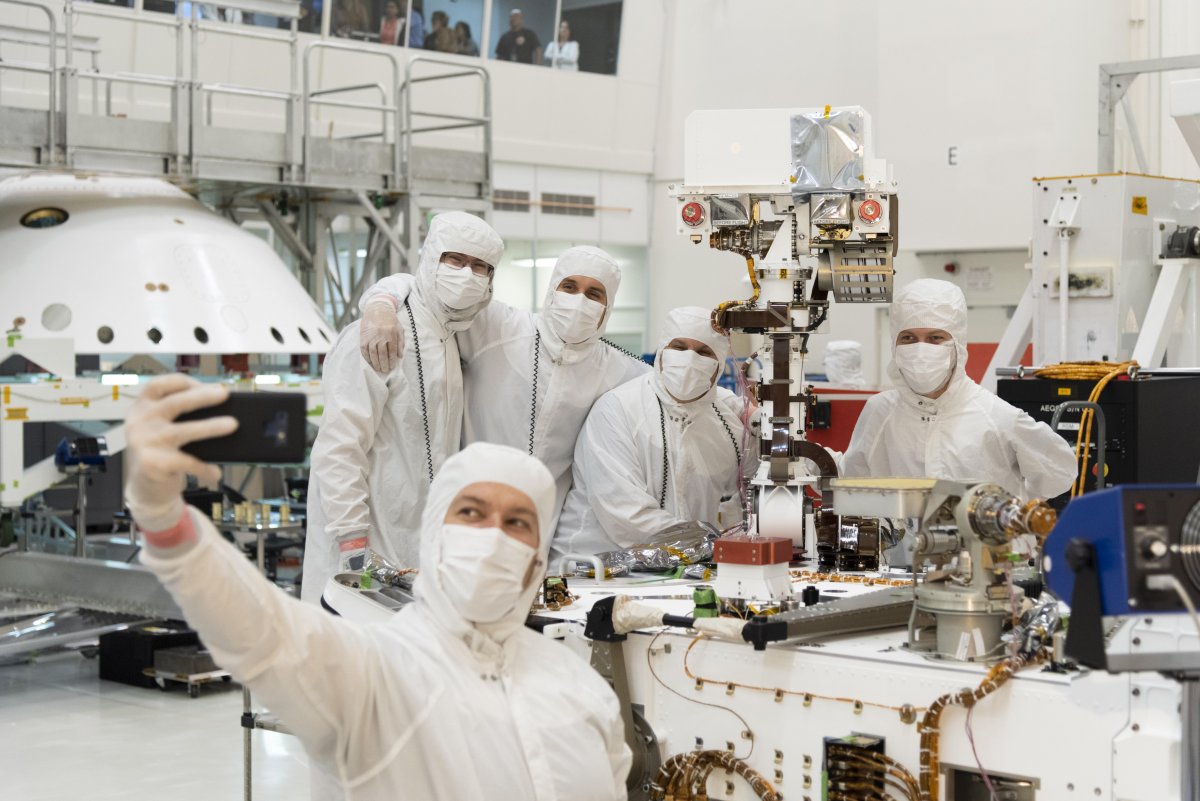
316,97
32,37
383,105
451,121
192,102
51,71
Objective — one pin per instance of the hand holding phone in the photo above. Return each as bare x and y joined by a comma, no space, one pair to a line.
271,429
156,465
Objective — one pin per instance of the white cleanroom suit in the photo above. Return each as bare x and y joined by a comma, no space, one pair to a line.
527,385
619,498
427,705
383,437
843,363
965,434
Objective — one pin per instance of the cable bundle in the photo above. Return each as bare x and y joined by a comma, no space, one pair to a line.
857,774
684,777
996,678
1102,373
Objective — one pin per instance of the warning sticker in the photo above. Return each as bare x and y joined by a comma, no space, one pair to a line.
1139,205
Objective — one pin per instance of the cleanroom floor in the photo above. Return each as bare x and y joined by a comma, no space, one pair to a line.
65,734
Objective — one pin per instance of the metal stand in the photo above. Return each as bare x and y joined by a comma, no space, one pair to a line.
1189,746
251,720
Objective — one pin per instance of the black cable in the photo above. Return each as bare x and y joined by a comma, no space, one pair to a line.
421,385
662,424
736,450
619,349
537,358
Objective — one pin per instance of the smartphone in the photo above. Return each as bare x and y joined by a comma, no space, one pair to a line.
271,429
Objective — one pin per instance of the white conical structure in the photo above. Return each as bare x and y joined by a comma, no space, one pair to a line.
135,265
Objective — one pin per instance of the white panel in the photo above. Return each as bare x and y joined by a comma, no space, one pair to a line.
579,230
1180,36
1004,86
1185,108
745,147
521,178
626,216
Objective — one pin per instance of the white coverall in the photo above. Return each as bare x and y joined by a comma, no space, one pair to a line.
967,434
500,365
371,462
617,500
426,706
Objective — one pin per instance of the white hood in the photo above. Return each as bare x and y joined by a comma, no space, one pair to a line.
482,462
455,232
689,322
930,303
589,262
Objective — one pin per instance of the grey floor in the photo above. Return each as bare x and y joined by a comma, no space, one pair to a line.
65,734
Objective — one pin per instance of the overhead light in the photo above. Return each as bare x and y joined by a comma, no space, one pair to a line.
542,262
361,253
119,380
267,380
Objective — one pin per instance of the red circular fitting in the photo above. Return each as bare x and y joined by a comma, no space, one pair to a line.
693,214
869,211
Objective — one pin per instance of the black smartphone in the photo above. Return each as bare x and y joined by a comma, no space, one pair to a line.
271,429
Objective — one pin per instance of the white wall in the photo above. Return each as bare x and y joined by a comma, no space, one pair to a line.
541,116
1012,86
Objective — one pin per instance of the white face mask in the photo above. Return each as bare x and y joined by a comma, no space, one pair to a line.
482,571
574,318
460,288
925,367
686,374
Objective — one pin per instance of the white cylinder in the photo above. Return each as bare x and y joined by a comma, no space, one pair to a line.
781,513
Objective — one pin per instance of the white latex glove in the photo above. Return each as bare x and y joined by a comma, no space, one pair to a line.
727,628
380,337
155,467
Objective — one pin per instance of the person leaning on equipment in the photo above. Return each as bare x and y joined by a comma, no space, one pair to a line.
384,436
937,422
659,450
530,377
453,698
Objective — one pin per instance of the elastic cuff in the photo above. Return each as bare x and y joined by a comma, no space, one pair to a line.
384,298
181,533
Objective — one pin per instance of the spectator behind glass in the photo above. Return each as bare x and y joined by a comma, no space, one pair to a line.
350,18
391,27
466,45
440,37
519,43
564,53
416,33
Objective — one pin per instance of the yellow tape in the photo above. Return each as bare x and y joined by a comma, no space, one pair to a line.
12,413
6,396
680,555
1064,392
827,112
116,392
84,402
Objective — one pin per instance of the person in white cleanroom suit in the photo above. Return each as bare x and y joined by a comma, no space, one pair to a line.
453,698
937,422
383,437
660,450
530,377
843,363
